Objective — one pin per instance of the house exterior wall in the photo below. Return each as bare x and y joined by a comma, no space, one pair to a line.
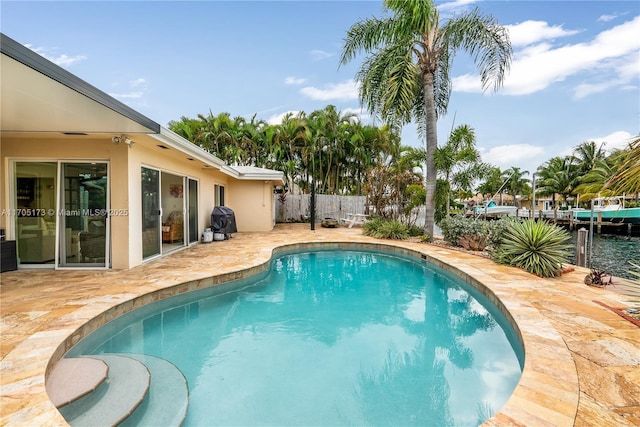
45,149
252,201
252,204
171,161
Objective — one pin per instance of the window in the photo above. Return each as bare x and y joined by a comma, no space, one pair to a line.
219,195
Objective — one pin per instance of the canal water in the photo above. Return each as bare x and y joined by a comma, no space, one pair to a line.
612,253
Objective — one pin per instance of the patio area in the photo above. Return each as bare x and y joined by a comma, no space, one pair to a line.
582,360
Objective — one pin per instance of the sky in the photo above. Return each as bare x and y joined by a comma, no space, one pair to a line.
574,77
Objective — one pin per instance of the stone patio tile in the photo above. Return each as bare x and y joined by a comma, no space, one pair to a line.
581,363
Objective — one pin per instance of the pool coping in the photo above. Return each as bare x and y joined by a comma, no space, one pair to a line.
548,392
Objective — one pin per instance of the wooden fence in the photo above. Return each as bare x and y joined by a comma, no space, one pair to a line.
297,208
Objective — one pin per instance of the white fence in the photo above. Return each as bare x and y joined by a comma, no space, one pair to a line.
296,208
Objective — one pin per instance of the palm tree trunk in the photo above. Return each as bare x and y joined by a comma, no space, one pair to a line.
431,145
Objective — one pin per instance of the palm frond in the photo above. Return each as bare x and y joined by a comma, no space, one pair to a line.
485,40
390,83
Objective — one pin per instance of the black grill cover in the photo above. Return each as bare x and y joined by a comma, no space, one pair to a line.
223,220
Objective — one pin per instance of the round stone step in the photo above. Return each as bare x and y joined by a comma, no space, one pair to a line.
73,378
115,399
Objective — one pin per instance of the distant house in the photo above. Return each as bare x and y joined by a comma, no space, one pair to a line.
88,182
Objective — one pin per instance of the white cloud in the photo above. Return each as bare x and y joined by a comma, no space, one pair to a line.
346,91
585,89
290,80
318,55
613,52
62,60
607,18
138,89
529,32
137,82
276,119
506,156
455,5
615,140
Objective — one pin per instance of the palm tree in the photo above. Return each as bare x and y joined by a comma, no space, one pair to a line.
291,133
592,183
458,161
515,181
330,129
627,178
587,156
492,182
406,75
558,175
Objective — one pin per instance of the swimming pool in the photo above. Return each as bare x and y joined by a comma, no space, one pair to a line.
330,338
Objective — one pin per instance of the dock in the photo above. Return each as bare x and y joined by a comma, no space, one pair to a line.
566,219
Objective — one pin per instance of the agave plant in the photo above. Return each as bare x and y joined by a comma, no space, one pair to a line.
536,246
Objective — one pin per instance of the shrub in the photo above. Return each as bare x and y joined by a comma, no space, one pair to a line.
538,247
381,228
393,230
370,228
415,231
457,227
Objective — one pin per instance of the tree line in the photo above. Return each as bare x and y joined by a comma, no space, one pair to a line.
404,78
330,148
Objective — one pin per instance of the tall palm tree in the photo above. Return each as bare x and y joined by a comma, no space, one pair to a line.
406,75
329,126
593,182
588,155
291,133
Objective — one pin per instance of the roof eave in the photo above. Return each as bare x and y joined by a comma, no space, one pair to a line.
175,141
272,176
37,62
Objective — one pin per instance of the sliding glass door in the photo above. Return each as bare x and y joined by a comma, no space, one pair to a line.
83,221
192,206
169,212
151,213
35,212
61,214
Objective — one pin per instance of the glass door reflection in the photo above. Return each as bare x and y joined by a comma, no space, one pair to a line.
83,218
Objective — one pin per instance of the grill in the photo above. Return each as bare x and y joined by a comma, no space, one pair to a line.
223,221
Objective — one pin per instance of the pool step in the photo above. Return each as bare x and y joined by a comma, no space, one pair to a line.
139,390
115,399
167,401
73,378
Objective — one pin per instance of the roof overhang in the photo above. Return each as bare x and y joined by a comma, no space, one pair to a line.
175,141
39,96
250,173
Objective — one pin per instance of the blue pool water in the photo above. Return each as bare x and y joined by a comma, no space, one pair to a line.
330,338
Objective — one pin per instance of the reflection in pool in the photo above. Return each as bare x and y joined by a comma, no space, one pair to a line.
330,338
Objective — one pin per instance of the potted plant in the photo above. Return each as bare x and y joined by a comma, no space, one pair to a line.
598,278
